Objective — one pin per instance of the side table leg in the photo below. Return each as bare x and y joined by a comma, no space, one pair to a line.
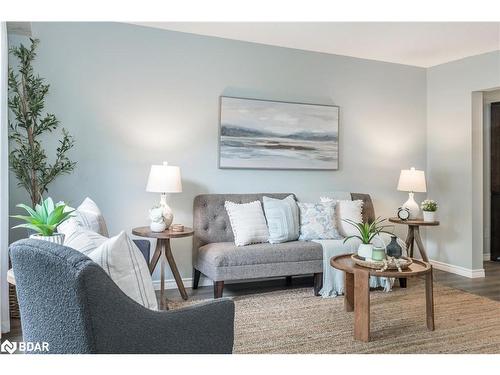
429,301
420,245
349,292
175,271
361,306
163,301
156,257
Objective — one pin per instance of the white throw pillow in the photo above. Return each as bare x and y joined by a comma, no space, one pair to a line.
87,216
121,259
248,222
346,209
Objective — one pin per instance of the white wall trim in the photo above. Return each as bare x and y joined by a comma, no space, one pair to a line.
486,256
458,270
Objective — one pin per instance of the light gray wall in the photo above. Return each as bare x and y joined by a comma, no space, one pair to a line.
488,98
454,157
133,96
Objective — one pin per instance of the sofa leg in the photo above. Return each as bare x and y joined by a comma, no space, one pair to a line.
402,282
288,280
218,288
196,278
318,283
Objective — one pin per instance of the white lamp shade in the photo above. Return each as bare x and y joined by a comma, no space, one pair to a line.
164,179
412,180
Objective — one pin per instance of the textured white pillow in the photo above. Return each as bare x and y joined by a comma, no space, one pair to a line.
121,259
248,222
346,209
87,216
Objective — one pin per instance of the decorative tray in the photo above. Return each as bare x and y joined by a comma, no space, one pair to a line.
387,264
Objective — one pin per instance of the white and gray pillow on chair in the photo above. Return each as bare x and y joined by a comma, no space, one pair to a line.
248,222
121,259
282,217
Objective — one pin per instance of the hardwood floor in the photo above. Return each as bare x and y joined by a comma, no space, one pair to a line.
488,287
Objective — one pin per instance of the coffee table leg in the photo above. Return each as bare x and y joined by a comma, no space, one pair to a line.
349,292
429,301
361,305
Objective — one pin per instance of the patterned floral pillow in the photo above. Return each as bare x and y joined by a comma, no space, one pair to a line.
317,221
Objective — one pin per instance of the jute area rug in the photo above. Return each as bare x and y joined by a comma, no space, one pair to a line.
295,321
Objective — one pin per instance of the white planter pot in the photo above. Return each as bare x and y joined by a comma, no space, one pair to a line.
365,251
57,238
429,216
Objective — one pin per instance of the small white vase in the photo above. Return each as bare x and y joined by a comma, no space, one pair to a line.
429,216
365,251
57,238
157,227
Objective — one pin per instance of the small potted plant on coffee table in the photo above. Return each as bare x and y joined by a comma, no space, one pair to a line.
367,232
44,219
429,208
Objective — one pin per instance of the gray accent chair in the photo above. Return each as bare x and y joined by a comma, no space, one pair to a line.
67,300
216,256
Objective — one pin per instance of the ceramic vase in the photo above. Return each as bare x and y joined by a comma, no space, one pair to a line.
57,238
429,216
394,249
157,227
365,251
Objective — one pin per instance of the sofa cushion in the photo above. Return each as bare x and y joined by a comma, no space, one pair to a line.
227,254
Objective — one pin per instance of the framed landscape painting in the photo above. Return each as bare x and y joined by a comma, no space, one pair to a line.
265,134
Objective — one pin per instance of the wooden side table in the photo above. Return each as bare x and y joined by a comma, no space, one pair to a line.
162,252
414,235
357,290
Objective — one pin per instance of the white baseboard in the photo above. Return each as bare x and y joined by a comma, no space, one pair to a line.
486,256
458,270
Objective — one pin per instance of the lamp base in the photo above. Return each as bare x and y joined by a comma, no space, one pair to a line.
412,206
168,215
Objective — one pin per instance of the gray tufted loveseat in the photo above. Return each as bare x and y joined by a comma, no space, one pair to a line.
216,256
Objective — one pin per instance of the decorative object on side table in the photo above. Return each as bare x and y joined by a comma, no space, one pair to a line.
28,160
44,220
429,208
412,181
367,232
163,251
394,249
157,220
164,179
403,213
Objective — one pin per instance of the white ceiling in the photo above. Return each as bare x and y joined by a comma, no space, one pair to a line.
421,44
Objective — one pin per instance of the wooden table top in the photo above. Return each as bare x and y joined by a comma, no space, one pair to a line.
166,234
345,263
416,222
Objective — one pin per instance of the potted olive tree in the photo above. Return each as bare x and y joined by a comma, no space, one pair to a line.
28,159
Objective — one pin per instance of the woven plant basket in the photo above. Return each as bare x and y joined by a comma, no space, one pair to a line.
13,305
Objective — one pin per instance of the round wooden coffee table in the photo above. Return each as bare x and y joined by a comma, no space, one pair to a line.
357,290
163,251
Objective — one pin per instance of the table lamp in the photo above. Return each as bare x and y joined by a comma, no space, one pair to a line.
413,181
165,179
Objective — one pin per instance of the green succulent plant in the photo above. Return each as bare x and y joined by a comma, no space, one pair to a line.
45,217
368,231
